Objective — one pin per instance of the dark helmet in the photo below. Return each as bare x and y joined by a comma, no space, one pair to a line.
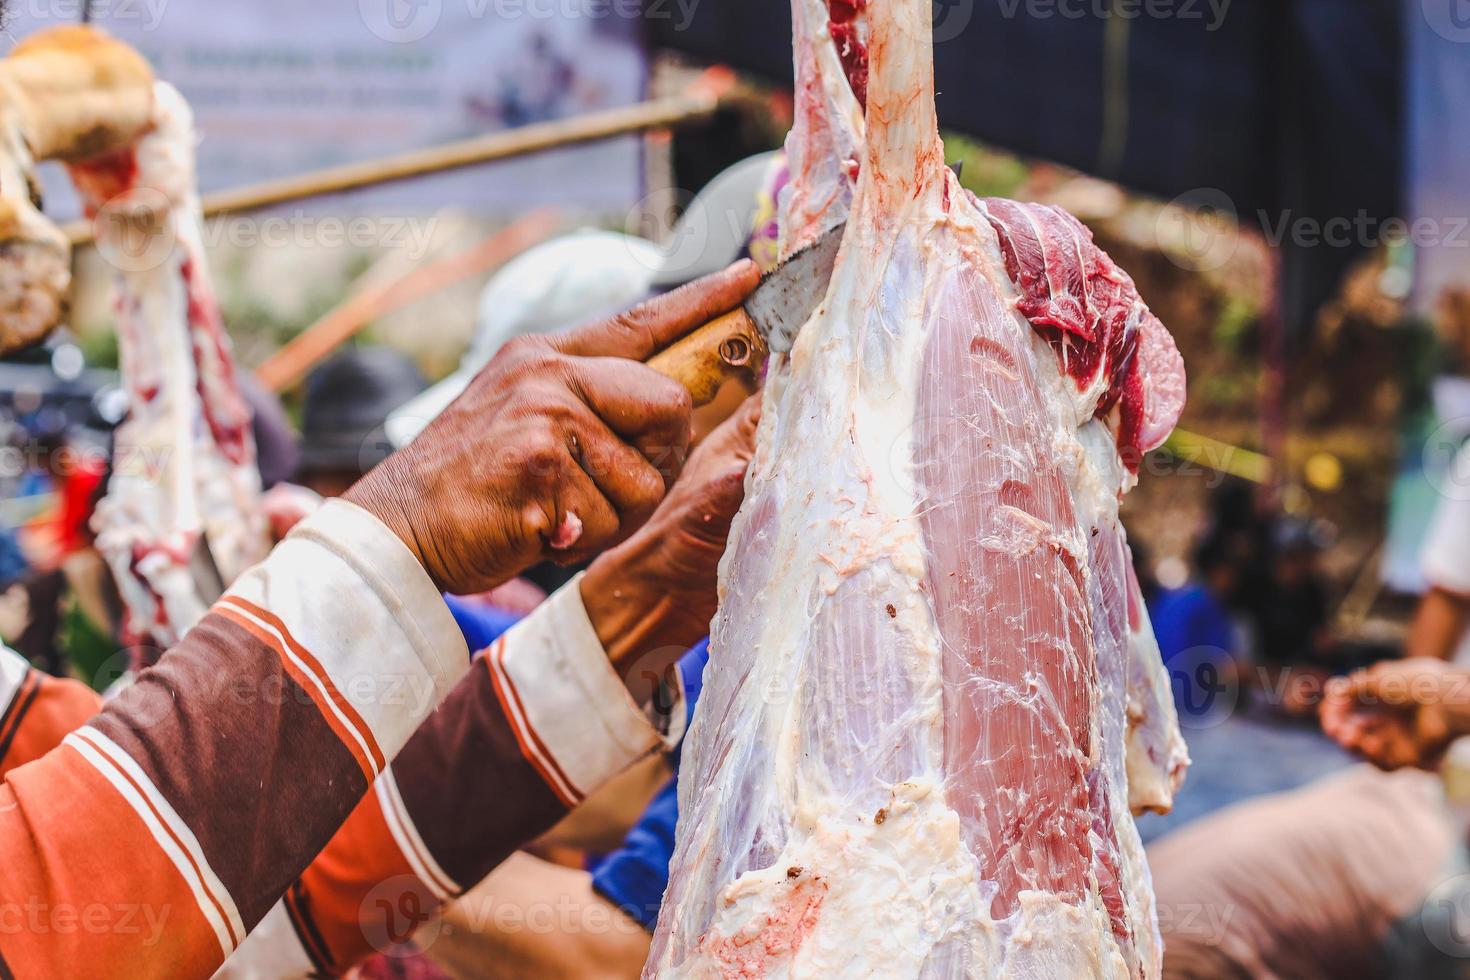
347,401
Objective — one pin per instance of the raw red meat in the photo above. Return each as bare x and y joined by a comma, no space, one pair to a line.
913,755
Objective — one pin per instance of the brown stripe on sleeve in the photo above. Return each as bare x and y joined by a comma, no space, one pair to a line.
285,788
468,787
357,880
15,714
308,933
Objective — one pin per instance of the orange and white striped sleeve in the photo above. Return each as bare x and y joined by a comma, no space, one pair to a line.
37,711
157,834
540,722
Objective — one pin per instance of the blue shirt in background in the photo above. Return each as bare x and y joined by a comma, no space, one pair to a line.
481,625
635,876
1197,639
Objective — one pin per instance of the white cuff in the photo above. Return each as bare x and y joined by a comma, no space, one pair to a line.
569,709
345,600
13,671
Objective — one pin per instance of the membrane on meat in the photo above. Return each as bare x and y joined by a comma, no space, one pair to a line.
933,704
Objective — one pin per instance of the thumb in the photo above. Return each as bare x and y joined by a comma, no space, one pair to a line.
643,331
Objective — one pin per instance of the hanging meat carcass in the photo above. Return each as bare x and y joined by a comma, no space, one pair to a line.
182,515
67,93
932,691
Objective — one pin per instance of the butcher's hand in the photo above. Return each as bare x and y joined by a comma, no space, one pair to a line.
1399,713
653,596
559,449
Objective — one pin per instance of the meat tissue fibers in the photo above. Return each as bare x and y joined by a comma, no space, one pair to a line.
934,703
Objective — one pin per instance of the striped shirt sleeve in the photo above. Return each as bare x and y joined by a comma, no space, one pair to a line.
156,835
37,711
540,722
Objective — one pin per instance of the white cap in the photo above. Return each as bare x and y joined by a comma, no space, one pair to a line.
591,273
551,287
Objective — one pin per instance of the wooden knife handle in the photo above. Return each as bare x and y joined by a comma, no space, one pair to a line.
726,347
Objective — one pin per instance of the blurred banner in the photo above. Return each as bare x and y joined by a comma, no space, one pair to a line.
280,87
1438,146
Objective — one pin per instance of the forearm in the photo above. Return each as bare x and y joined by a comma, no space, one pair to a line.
1438,626
206,788
1452,693
628,623
530,918
540,722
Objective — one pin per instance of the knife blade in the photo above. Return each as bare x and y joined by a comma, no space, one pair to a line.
738,342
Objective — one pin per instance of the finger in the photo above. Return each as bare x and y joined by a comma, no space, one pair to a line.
631,484
710,518
649,327
733,441
583,520
641,406
1329,716
1382,749
1333,713
1378,689
1357,685
1431,728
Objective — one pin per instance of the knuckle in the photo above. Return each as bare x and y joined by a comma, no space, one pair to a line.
540,458
646,489
522,346
632,326
680,399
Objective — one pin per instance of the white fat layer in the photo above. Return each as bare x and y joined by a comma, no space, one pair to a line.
816,838
879,884
172,486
